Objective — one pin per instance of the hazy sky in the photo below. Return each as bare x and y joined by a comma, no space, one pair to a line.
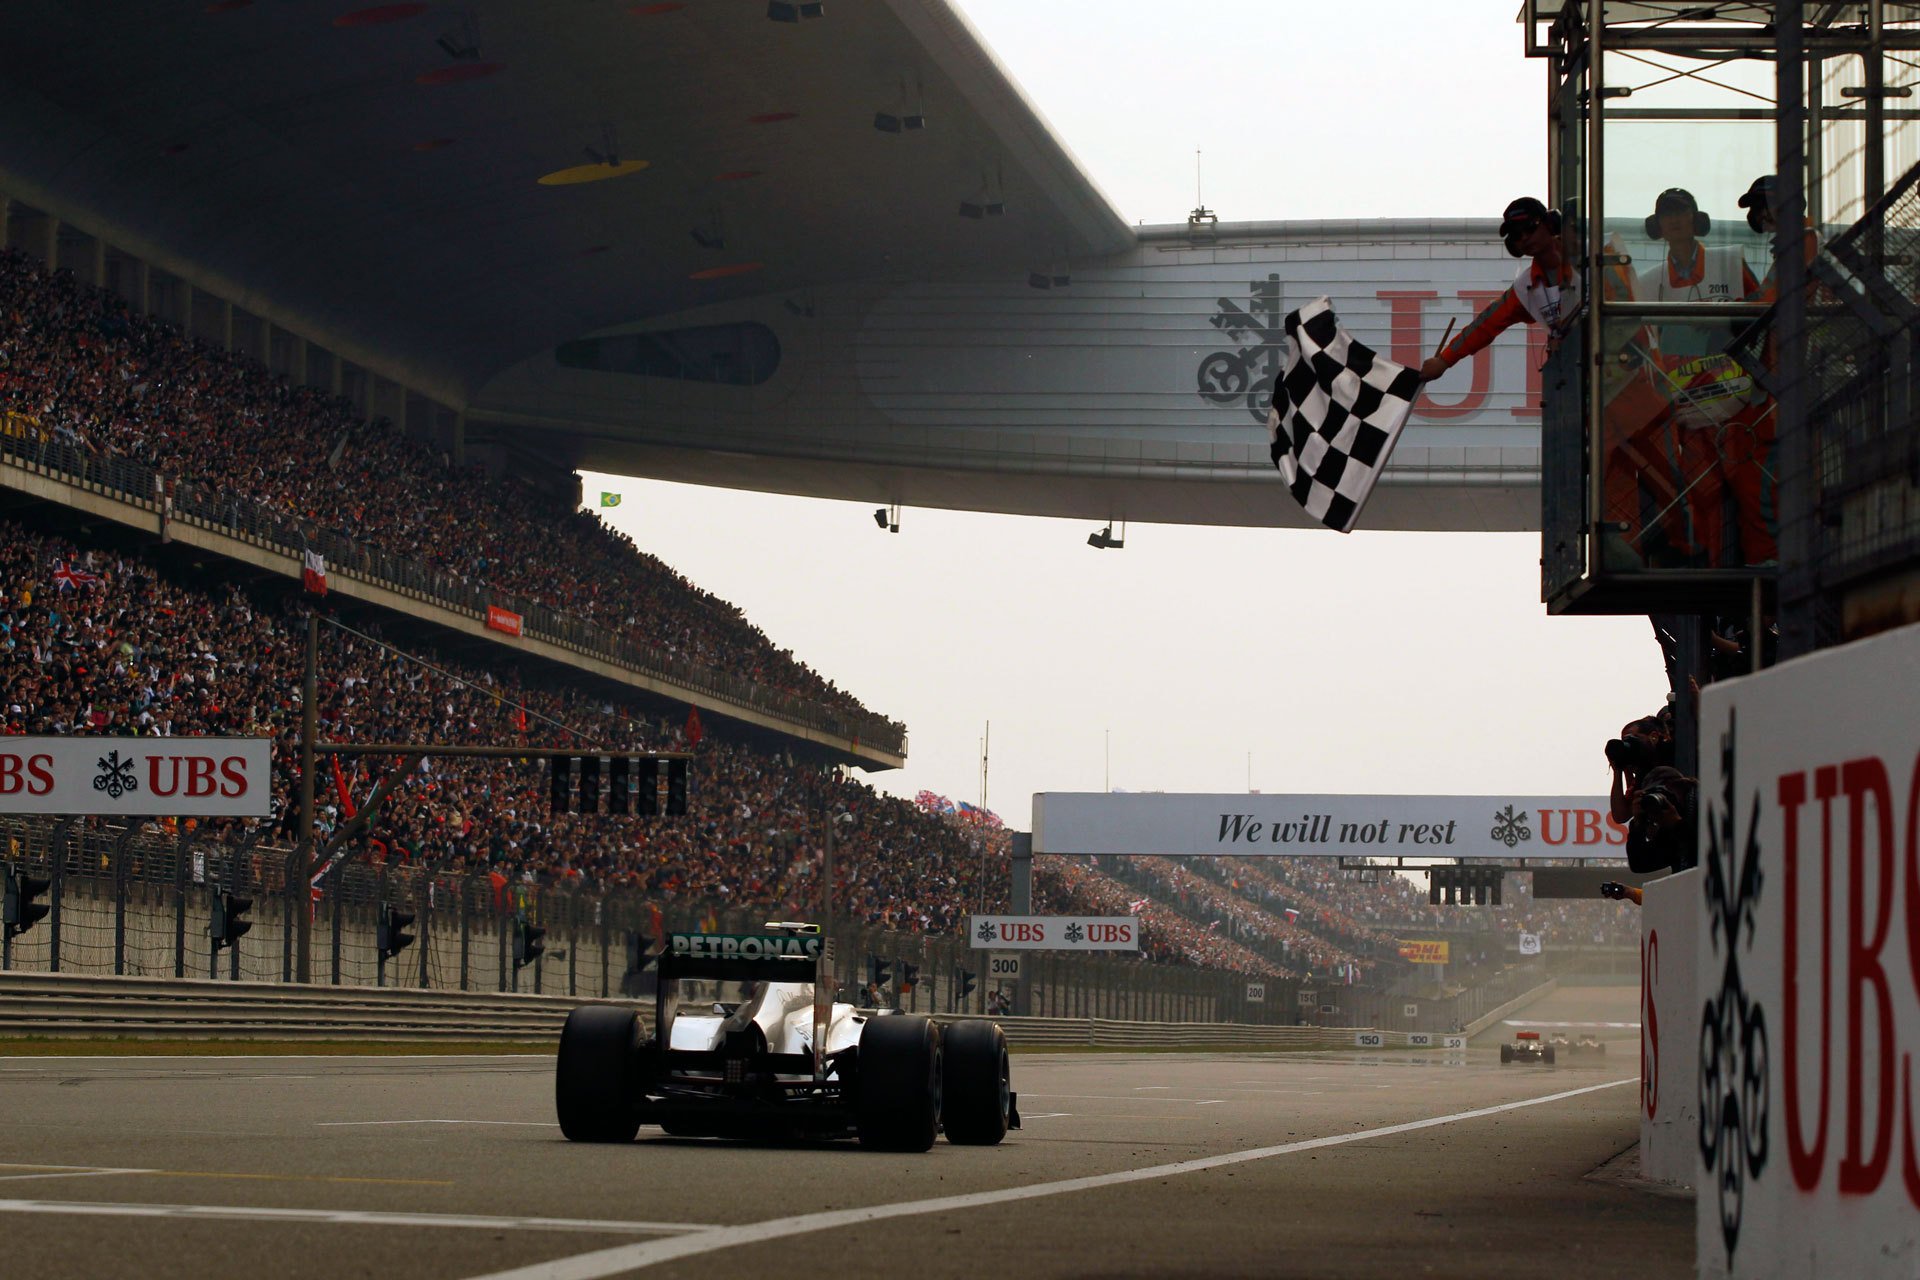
1377,662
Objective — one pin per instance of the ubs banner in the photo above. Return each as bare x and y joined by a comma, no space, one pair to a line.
1245,825
137,777
1808,933
1055,933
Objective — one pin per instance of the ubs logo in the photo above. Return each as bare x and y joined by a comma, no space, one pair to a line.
1246,371
1733,1027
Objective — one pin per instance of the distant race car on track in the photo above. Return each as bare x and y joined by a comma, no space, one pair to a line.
1587,1042
770,1053
1526,1047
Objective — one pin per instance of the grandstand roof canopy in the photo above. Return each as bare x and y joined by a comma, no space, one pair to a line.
373,173
687,239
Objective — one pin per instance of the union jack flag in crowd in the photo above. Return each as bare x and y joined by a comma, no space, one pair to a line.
68,578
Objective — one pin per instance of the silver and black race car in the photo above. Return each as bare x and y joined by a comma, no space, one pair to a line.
771,1053
1526,1047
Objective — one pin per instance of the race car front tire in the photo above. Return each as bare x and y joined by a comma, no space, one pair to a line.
1506,1054
900,1084
593,1081
978,1099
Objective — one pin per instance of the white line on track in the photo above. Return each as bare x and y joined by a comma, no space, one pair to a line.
422,1058
1048,1115
1115,1097
632,1257
350,1124
61,1171
347,1217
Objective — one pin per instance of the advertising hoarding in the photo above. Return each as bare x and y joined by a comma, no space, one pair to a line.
1247,825
1807,938
1054,933
1424,952
137,777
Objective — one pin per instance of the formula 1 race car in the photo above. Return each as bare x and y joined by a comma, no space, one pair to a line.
1559,1042
1587,1042
1526,1047
773,1054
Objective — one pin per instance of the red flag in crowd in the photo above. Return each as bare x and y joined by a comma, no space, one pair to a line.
340,789
313,572
694,731
520,718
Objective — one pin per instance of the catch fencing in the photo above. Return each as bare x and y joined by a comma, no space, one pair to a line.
137,902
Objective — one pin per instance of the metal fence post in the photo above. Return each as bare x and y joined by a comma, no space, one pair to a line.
573,940
336,885
181,853
57,892
466,924
423,905
120,902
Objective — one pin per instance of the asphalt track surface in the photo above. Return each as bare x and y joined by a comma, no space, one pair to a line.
1227,1164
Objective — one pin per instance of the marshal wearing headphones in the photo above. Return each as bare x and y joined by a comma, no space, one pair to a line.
1545,290
1690,272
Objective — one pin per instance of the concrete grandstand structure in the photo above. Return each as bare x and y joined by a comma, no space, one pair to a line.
750,282
380,215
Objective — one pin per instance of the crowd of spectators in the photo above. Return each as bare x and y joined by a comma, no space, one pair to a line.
125,649
78,366
1070,887
1202,889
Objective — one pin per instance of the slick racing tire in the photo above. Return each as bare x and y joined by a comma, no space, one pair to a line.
1546,1055
1506,1054
1600,1048
978,1101
595,1079
901,1079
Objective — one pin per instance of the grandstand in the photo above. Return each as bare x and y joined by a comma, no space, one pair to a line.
187,412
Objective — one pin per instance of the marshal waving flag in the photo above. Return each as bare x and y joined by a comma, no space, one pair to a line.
1336,413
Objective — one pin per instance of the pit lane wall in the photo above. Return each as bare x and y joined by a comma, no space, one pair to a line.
1809,967
1669,1029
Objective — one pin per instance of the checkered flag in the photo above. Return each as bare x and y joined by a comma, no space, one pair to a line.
1335,416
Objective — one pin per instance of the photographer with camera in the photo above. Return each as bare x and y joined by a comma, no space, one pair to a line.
1643,744
1660,833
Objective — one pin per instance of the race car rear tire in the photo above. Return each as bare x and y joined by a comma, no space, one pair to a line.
1546,1055
1600,1048
978,1100
1506,1053
901,1079
594,1080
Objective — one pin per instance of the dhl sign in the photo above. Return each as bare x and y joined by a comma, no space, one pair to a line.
1424,952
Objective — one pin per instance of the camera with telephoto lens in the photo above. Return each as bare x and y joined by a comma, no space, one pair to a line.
1633,753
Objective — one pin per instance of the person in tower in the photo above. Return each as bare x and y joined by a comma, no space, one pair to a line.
1545,291
1640,478
1725,516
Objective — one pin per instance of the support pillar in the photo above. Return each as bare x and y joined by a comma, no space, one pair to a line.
1022,872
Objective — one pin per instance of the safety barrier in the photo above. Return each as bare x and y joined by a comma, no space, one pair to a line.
74,1006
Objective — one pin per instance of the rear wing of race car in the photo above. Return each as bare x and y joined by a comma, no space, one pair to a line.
745,957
